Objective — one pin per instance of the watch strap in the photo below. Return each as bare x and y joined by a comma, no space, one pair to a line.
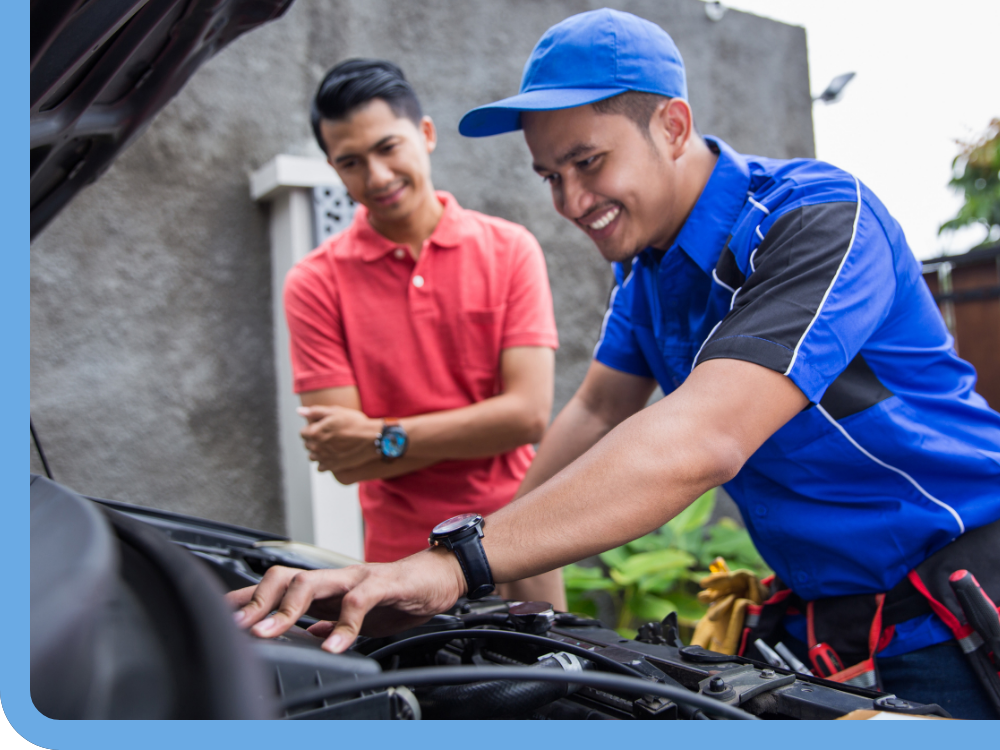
476,568
389,422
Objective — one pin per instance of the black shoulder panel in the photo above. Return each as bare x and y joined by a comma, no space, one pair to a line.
854,390
792,269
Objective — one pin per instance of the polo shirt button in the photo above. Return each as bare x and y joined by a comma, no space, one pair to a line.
760,510
418,281
399,253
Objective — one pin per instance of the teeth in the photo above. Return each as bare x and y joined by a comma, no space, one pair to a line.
606,219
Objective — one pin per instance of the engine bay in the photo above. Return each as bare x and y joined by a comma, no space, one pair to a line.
128,621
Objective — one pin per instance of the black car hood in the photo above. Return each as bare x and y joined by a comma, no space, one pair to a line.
102,69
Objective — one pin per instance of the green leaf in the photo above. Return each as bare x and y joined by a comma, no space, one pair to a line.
727,540
581,605
614,558
649,543
695,516
688,606
579,578
646,563
649,608
662,581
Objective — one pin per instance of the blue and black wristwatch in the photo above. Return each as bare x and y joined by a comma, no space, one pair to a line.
462,535
393,441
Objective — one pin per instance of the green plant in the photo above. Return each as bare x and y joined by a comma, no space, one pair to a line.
658,574
976,174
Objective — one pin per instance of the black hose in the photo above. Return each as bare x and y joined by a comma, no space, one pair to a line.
466,675
494,699
548,644
598,659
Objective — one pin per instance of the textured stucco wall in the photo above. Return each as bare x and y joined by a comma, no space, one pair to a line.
152,372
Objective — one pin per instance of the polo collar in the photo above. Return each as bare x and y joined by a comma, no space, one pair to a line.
448,232
710,222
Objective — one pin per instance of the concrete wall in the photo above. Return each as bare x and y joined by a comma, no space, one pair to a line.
152,372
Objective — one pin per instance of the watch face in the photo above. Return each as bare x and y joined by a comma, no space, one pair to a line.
393,442
464,521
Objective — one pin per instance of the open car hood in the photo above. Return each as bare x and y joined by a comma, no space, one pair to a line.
102,69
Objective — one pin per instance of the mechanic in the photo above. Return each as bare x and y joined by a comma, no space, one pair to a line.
422,337
806,366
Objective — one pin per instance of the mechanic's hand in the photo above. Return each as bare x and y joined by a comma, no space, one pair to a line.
339,438
376,599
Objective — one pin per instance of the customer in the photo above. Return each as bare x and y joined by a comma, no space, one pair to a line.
422,337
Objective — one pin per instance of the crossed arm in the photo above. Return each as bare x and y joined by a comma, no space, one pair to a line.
635,477
342,438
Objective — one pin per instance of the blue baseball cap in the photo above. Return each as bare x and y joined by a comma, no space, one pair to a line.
586,58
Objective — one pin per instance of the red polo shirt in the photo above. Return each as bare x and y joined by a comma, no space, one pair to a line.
417,337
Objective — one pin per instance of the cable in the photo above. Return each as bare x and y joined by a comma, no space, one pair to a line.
444,636
548,644
38,447
465,675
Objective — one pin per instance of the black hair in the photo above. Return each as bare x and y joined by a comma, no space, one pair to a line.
353,83
638,106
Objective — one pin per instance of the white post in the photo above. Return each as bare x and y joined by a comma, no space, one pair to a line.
318,509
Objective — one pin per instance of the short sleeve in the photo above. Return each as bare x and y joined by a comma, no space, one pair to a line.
617,346
529,318
820,282
316,334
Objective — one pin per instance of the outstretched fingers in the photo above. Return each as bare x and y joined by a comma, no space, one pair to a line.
295,600
357,603
255,602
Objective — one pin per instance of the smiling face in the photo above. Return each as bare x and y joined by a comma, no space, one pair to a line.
384,161
626,189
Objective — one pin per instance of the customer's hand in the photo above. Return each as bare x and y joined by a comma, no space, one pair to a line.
373,599
339,438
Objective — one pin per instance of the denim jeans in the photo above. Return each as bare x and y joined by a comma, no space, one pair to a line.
937,674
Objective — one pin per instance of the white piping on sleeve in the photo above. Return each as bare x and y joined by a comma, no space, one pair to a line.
732,301
761,206
611,305
757,230
698,353
907,477
753,268
854,233
720,282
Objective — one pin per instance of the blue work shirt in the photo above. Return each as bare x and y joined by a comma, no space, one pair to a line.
795,265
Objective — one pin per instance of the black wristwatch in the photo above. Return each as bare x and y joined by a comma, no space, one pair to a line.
392,442
462,535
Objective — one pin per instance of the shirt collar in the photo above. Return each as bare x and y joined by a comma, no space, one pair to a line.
710,222
448,232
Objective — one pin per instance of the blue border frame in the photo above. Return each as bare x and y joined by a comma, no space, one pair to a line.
14,519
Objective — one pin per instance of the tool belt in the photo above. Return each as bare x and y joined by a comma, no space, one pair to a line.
845,633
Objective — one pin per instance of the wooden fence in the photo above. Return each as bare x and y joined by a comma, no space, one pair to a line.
967,289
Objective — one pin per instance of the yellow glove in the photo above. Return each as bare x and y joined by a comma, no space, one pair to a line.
728,593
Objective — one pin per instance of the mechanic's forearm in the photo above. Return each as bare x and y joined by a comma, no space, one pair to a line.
644,471
633,481
487,428
379,469
572,433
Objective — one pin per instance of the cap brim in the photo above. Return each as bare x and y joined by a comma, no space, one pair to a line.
505,115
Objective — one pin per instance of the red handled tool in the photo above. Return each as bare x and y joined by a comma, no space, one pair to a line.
981,614
980,611
825,660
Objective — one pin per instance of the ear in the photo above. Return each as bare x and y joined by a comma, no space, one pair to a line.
429,132
673,121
